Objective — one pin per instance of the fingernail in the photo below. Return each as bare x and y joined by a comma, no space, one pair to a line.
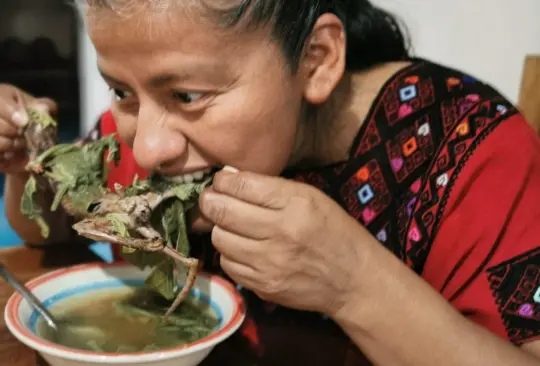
19,118
230,169
8,155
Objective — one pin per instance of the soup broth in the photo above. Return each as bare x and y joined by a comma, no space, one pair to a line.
128,321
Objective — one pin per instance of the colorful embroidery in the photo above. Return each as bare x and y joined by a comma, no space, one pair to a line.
516,287
411,148
370,138
421,131
366,193
405,96
444,169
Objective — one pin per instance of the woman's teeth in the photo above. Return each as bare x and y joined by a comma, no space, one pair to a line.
191,177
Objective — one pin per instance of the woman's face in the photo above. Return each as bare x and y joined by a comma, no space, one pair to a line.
190,98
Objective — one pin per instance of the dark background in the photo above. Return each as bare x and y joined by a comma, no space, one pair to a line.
39,54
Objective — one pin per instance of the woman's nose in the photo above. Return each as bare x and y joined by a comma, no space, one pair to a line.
155,144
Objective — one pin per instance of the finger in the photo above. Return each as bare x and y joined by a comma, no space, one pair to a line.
12,144
242,218
239,273
45,105
7,157
9,144
11,112
8,129
270,192
235,247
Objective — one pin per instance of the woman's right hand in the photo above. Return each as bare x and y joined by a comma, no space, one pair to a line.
12,118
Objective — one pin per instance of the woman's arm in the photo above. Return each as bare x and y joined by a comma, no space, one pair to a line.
406,317
27,229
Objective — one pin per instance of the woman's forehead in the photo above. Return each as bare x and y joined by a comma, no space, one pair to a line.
176,30
157,46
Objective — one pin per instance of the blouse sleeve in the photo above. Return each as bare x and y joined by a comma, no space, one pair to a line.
485,257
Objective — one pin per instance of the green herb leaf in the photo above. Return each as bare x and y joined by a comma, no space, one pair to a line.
78,175
30,207
76,172
162,279
169,219
44,119
119,222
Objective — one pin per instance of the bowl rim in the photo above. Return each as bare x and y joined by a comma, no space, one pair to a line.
24,335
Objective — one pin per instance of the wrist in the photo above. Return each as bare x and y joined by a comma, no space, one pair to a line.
355,298
21,176
14,184
373,288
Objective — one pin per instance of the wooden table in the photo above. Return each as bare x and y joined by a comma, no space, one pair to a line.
285,343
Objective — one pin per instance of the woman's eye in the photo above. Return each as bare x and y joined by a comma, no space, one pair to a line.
187,98
121,94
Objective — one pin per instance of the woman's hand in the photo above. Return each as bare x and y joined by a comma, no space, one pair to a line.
12,118
286,241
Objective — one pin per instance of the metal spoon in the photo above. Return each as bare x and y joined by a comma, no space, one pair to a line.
28,296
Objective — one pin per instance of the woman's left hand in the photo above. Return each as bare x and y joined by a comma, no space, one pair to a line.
286,241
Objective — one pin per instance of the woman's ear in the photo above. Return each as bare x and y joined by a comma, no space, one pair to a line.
323,62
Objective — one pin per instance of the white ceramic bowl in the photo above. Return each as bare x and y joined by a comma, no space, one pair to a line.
59,285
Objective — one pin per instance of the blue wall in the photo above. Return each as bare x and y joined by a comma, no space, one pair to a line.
8,238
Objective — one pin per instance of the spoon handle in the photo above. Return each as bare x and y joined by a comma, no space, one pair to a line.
28,296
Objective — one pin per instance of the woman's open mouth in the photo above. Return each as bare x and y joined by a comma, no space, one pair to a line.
193,177
195,220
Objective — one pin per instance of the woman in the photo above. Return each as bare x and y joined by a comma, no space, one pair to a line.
409,214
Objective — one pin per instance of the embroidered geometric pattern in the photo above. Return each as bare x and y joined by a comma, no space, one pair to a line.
422,128
516,287
469,131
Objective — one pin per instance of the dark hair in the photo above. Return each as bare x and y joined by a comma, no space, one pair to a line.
373,35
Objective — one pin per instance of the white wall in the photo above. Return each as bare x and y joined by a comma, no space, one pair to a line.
94,92
488,38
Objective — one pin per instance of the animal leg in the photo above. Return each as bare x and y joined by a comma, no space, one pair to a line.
193,265
91,229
